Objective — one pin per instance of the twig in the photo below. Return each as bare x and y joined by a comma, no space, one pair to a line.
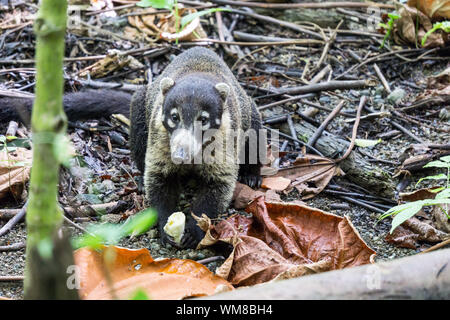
406,131
309,5
210,259
282,23
13,247
292,129
269,43
362,204
325,86
331,116
11,278
295,140
355,129
437,246
14,220
382,78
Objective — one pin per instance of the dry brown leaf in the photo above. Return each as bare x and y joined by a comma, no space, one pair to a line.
409,233
275,183
243,194
115,60
284,240
133,269
419,194
405,31
310,174
413,230
439,81
441,220
432,8
162,25
15,170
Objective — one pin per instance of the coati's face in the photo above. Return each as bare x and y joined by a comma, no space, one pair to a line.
191,106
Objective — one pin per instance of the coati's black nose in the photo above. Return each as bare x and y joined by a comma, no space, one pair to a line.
180,155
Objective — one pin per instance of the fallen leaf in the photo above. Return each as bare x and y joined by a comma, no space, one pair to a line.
131,270
243,194
309,174
432,8
409,233
405,31
162,26
275,183
441,219
115,60
283,240
15,170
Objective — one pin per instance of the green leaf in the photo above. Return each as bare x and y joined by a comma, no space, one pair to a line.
444,194
363,143
20,143
444,25
445,159
87,240
437,177
437,164
190,17
109,233
139,294
157,4
434,202
405,214
140,223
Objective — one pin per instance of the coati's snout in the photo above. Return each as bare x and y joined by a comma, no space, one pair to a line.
191,106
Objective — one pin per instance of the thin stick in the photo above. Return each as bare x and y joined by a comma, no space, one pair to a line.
309,5
11,278
312,141
13,247
13,221
437,246
382,78
265,43
210,259
362,102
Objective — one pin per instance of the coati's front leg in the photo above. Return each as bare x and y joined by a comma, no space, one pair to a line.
250,173
162,193
213,198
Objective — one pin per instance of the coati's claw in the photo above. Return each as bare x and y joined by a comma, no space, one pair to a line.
192,234
253,181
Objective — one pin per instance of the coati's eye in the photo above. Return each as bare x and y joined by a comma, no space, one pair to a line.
175,117
203,120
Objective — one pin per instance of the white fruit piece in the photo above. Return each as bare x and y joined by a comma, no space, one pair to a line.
175,226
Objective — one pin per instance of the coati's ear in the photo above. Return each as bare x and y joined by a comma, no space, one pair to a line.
223,89
165,84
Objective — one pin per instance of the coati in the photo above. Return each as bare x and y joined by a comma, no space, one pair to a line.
196,93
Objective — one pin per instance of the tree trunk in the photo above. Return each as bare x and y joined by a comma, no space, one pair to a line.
46,264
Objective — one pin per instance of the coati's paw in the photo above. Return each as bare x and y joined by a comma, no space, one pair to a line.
191,237
192,234
252,180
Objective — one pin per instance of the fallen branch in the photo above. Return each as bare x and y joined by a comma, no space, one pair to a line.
423,276
309,5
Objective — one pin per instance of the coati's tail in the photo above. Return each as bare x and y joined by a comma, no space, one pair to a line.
89,104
